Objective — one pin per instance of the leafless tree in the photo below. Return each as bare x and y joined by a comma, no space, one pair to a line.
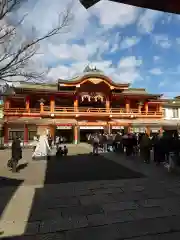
16,59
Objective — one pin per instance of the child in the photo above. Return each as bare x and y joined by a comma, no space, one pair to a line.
59,152
65,151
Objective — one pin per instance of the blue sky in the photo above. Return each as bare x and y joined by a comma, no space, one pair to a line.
129,44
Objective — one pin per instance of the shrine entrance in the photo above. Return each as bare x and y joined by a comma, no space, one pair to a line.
66,132
87,130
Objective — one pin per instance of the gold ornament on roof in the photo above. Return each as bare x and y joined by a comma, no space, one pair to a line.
95,80
92,96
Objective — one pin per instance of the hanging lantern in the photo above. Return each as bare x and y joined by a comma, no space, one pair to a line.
41,101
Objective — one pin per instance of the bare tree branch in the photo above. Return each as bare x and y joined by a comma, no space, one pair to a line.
16,59
7,6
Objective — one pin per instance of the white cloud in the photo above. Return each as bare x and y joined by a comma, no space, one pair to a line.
128,76
116,42
156,71
129,62
170,94
111,13
94,35
62,72
43,16
77,68
156,58
148,20
77,52
178,40
129,42
162,40
163,83
126,71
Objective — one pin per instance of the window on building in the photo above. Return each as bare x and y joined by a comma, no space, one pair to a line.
31,135
13,134
175,113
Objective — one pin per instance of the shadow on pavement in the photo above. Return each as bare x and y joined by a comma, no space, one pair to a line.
58,203
8,187
85,167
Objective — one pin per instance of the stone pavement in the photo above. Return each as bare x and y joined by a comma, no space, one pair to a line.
137,209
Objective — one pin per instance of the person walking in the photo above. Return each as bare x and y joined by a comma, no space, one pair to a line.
16,153
145,147
95,144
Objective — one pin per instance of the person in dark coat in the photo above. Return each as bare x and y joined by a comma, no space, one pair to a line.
159,143
145,147
16,153
50,140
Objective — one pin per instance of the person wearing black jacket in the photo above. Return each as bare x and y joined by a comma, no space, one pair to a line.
16,153
145,147
159,143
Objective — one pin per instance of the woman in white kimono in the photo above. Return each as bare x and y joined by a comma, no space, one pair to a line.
42,149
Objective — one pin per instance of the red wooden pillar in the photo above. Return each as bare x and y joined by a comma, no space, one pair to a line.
41,107
127,105
76,135
146,107
28,104
76,103
107,104
52,104
25,134
6,140
7,104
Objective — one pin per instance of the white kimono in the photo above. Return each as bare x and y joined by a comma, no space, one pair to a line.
42,148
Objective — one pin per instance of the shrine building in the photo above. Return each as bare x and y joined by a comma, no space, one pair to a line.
91,102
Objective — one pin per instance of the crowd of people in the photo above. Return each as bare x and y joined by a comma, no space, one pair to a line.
161,145
141,144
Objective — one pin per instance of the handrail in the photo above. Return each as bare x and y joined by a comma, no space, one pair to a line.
116,111
15,110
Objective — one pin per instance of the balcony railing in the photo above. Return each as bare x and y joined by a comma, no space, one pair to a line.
82,111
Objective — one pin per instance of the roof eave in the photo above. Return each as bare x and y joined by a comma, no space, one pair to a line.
78,80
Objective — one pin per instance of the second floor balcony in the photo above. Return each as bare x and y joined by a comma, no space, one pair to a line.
46,111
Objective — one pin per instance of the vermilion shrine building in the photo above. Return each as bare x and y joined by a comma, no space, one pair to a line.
90,102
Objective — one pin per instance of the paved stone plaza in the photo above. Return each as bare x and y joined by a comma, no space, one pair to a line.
139,208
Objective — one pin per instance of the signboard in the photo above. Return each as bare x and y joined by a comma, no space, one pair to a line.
64,127
91,127
138,130
93,123
154,130
142,130
117,127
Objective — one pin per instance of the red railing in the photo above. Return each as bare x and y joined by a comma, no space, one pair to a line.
82,111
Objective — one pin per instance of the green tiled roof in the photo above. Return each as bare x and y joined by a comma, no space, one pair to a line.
39,86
